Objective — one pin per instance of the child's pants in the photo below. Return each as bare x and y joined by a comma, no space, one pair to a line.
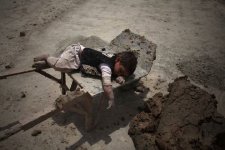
68,61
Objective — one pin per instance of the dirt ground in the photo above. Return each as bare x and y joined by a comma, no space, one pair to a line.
190,39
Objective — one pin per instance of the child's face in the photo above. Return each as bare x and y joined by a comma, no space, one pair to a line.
119,69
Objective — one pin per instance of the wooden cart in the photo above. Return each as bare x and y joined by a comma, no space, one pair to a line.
79,97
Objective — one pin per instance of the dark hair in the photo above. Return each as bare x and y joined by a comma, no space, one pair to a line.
128,60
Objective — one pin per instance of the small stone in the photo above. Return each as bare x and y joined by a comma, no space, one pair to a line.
53,123
205,86
140,89
9,98
10,37
73,128
36,132
22,34
23,95
148,52
64,141
213,96
8,65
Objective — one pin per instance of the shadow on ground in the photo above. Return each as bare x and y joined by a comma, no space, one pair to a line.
128,104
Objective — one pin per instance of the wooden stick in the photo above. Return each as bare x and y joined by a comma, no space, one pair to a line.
63,83
48,76
22,72
64,86
16,73
81,86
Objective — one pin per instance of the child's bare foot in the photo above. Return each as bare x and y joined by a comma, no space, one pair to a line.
40,65
41,57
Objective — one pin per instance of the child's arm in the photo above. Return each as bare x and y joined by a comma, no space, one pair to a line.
109,94
107,84
109,91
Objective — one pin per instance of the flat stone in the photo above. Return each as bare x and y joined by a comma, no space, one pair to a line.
36,132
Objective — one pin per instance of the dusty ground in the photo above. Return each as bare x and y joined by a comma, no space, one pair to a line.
189,34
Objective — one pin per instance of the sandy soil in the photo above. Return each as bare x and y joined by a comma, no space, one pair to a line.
190,38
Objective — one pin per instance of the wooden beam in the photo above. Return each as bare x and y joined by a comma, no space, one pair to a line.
16,73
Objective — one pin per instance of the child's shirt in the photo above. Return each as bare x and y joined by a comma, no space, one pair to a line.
104,64
75,55
106,74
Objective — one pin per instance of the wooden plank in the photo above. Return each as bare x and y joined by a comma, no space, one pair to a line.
94,85
16,73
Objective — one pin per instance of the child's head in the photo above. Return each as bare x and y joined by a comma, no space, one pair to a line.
125,64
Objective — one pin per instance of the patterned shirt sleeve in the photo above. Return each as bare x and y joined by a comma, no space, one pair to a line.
106,74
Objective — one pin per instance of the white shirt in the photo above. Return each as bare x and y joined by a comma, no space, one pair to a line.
106,74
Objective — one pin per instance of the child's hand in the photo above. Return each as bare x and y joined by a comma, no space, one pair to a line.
120,80
109,95
111,103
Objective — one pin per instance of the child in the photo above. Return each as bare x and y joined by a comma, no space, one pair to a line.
119,65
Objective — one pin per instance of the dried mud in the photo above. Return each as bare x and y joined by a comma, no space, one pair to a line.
186,118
